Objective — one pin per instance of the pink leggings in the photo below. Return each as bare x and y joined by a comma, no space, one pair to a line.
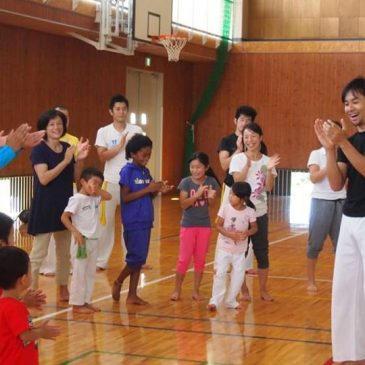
194,241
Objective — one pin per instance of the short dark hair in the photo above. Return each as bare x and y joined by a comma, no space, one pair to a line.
136,143
246,110
118,98
14,263
47,116
24,216
6,224
357,86
89,172
243,190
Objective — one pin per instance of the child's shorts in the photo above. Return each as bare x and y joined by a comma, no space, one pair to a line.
137,243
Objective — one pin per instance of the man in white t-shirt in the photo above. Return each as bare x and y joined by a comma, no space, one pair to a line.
326,212
110,144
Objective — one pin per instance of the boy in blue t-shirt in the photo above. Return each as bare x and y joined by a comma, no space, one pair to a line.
137,189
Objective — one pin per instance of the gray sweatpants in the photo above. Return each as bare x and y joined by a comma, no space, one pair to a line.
325,219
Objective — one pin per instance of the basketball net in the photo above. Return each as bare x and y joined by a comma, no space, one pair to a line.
173,45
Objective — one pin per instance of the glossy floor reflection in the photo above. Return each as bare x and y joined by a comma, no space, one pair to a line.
294,329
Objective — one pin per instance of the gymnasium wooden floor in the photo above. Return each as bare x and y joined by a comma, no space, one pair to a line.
294,329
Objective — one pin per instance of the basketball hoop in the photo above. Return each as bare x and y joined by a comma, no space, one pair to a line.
173,45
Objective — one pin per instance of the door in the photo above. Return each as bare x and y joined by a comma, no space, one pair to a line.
144,92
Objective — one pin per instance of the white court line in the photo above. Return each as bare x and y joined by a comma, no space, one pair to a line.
69,309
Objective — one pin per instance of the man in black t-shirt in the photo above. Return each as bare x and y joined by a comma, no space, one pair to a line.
348,290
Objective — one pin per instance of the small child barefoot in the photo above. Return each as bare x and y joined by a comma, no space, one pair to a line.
245,295
196,296
212,307
82,309
175,296
92,307
135,299
312,287
266,297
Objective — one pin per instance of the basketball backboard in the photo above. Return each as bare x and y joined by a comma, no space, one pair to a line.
151,18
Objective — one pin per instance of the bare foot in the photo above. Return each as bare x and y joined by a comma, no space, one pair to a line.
245,296
64,294
251,272
196,296
175,296
266,297
92,307
135,299
312,287
212,307
117,286
82,309
146,267
100,269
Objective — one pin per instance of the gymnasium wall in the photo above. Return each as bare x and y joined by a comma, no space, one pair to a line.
40,70
305,19
289,91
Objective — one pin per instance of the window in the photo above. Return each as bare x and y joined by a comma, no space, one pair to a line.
204,16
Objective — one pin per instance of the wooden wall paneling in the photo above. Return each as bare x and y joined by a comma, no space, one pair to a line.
349,27
40,70
349,8
305,19
329,8
362,27
289,92
329,27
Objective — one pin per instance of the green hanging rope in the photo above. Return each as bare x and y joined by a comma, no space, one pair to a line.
213,83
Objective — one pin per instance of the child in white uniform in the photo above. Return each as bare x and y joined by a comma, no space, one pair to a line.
81,217
236,222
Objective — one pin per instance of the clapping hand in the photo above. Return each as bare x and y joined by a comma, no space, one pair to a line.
165,187
82,149
211,192
33,139
274,160
34,299
49,332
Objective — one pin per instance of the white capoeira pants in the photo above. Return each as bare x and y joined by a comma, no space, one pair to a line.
221,264
348,292
107,230
83,274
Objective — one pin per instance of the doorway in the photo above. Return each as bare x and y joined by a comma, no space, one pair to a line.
144,91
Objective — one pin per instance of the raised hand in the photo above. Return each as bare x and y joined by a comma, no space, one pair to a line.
155,186
3,139
123,139
34,299
16,138
274,160
239,143
211,192
201,190
165,187
82,149
321,134
333,132
33,139
49,332
69,154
